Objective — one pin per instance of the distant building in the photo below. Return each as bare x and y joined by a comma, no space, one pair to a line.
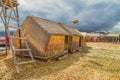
111,37
94,37
102,37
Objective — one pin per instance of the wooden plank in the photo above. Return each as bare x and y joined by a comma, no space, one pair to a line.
22,49
17,37
26,62
11,17
6,6
14,2
15,27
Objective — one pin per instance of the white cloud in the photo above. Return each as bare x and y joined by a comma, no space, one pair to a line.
91,2
51,7
117,26
45,6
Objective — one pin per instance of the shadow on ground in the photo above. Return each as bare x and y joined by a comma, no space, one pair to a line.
43,68
85,51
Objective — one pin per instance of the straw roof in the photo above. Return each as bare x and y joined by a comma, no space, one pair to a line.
71,30
55,28
50,26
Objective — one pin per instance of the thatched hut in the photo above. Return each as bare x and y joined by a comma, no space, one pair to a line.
46,38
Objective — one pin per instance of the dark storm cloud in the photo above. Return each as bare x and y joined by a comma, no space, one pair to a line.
101,18
93,15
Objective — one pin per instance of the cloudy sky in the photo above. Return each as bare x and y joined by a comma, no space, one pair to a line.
93,15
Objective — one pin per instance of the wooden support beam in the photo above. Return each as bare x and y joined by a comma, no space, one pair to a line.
22,49
25,62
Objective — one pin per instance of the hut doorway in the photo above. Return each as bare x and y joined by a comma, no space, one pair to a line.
80,42
66,43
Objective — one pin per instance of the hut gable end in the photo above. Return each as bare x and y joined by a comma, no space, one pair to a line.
33,29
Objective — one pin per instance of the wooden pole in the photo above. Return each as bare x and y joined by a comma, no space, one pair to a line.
5,31
72,43
19,32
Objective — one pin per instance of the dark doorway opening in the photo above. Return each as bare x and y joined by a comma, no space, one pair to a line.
80,42
66,43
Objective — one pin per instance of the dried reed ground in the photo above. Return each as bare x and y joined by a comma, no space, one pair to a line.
99,61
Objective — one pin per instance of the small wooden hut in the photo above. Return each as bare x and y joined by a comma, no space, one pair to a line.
46,38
